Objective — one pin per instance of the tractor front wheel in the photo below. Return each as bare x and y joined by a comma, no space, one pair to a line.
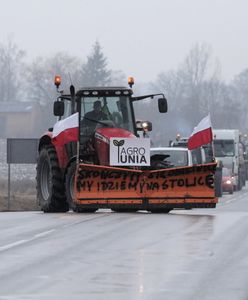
50,187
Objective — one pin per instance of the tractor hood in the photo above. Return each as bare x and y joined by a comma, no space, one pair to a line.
105,134
102,140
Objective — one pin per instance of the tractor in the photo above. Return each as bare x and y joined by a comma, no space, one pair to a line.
97,155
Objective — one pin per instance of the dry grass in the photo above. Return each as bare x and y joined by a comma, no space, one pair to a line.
22,196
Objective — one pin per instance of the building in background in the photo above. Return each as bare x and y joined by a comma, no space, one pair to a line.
20,119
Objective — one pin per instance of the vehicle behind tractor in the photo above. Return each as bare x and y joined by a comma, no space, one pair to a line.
98,156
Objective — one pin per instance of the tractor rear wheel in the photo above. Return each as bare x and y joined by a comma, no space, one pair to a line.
69,188
50,187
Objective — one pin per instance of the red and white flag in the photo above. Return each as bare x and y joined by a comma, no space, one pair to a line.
65,131
202,134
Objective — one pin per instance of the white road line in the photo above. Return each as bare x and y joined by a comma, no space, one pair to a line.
12,245
21,242
44,233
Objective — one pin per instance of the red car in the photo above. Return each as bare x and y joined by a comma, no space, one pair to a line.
227,181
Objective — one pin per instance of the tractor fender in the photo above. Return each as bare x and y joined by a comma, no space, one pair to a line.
46,139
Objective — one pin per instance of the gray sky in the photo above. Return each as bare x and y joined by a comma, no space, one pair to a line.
140,37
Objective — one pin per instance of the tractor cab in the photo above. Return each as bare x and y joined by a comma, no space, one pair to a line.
110,107
103,112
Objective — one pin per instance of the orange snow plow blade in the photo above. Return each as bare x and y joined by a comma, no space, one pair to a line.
105,186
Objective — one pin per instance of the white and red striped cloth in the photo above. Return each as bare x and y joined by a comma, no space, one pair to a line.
65,131
202,134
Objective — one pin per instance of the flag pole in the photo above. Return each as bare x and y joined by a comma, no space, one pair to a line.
213,153
212,146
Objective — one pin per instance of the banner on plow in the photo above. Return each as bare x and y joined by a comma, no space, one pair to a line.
96,182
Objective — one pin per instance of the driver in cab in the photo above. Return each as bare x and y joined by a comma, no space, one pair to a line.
95,115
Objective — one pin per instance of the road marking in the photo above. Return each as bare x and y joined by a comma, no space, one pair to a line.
21,242
12,245
44,233
47,232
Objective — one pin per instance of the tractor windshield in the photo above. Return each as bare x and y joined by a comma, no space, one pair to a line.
113,111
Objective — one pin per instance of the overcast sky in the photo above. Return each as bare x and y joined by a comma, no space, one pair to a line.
140,37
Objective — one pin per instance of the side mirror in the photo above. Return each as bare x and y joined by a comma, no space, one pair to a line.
162,105
58,108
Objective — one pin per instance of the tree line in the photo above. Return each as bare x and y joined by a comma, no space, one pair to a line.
193,89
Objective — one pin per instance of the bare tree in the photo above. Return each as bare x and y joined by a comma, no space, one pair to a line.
193,90
11,62
41,73
190,86
198,72
170,83
240,96
40,82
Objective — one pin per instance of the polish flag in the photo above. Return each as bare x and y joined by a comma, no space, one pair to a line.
65,131
202,134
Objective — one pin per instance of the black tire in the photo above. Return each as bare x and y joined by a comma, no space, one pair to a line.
239,185
124,210
218,183
69,188
160,210
50,186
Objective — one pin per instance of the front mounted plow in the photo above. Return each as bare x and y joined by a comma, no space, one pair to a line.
114,187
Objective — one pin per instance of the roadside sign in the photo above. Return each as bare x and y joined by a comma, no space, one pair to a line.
22,151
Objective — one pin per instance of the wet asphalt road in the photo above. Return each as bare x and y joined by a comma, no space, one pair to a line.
187,254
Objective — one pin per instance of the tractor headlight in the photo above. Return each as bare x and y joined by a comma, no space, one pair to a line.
145,126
